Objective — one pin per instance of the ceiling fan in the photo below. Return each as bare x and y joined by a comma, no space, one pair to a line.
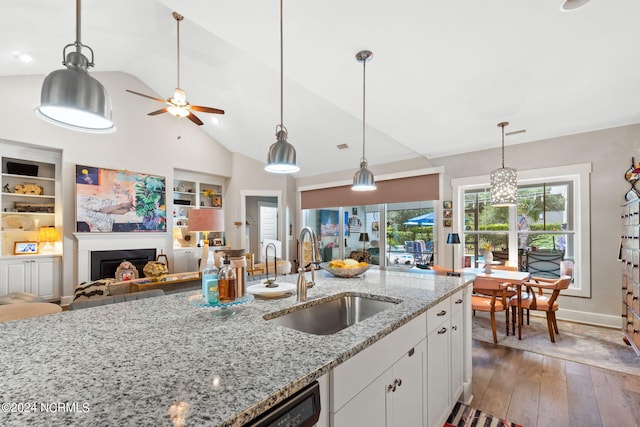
178,105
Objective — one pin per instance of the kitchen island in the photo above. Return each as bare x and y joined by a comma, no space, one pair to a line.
159,360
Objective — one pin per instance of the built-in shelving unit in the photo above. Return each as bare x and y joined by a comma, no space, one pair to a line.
630,258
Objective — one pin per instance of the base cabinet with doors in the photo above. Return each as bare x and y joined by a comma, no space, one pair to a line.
37,275
411,377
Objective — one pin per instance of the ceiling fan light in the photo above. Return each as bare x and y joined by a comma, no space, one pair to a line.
363,179
177,111
72,99
504,187
282,156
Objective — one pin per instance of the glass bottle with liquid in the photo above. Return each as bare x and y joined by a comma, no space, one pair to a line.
210,281
227,281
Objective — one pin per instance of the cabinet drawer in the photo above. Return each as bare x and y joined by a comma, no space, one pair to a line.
438,314
635,331
352,376
457,301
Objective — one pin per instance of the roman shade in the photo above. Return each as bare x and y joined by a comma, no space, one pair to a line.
410,189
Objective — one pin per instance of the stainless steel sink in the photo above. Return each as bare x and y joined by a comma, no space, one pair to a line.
332,314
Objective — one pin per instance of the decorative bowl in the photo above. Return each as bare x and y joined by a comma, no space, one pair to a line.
345,272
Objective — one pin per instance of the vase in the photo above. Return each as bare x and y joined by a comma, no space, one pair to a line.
488,259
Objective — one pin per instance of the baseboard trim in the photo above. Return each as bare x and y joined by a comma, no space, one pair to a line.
595,319
66,300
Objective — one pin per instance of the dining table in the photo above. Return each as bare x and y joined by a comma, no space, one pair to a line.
515,278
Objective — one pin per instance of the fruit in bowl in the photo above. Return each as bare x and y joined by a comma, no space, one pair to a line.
345,267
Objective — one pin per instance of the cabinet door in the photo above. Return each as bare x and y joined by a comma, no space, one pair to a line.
186,261
457,352
15,275
45,277
407,399
368,407
438,372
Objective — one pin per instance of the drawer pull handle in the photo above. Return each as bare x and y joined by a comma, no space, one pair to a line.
398,381
391,388
442,313
412,351
442,331
459,301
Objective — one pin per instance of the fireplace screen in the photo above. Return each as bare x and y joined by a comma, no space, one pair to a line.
110,200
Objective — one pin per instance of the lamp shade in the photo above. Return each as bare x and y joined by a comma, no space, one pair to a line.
504,187
205,220
48,234
363,179
453,239
364,237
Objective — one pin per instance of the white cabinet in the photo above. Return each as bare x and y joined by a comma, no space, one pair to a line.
36,275
382,385
457,346
438,364
186,260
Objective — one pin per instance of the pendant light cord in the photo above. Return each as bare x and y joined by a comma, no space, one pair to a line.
78,25
502,146
281,69
364,86
178,51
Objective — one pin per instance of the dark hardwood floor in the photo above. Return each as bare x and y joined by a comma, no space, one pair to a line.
542,391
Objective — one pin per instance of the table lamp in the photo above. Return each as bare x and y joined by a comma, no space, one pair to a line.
364,238
205,221
453,239
47,235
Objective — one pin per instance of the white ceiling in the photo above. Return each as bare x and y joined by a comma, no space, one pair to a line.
443,73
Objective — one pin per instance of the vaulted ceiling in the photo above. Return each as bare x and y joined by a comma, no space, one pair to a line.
443,73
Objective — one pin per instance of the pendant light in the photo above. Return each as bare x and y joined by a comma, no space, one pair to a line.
504,181
71,98
363,179
282,155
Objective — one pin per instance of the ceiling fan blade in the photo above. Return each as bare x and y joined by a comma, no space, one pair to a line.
206,109
155,113
146,96
194,119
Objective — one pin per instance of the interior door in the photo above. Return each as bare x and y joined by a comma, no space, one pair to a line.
268,228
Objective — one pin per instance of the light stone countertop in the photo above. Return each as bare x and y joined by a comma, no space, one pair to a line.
133,363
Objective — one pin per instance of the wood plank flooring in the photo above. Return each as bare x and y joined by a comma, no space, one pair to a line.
543,391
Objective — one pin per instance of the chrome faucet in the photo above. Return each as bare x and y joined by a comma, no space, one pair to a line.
316,258
271,283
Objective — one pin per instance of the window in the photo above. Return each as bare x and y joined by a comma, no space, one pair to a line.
550,223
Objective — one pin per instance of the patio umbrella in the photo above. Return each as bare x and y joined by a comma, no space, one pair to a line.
424,219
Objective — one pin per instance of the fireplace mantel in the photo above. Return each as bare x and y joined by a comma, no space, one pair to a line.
88,242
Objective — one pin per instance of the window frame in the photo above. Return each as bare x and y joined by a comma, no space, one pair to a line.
579,175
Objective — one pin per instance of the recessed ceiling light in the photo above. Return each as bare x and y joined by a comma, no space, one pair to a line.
23,57
568,5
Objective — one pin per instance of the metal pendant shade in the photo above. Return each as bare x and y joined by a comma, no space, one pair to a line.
363,179
282,155
71,98
504,181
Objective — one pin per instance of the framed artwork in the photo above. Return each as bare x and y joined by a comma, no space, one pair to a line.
446,223
447,204
447,213
20,248
329,225
109,200
216,201
217,242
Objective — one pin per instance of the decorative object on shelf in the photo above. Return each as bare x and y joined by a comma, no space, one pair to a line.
22,248
29,188
110,200
632,175
504,181
177,105
47,236
453,239
5,188
205,221
71,98
15,168
17,222
126,271
363,180
155,270
282,155
37,207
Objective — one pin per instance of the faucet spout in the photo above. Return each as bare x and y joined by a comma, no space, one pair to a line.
315,260
271,283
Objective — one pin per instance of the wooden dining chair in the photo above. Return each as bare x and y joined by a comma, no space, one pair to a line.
540,301
490,295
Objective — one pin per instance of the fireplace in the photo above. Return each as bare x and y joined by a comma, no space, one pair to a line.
105,263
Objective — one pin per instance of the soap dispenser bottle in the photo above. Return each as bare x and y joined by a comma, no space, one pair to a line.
227,281
210,281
